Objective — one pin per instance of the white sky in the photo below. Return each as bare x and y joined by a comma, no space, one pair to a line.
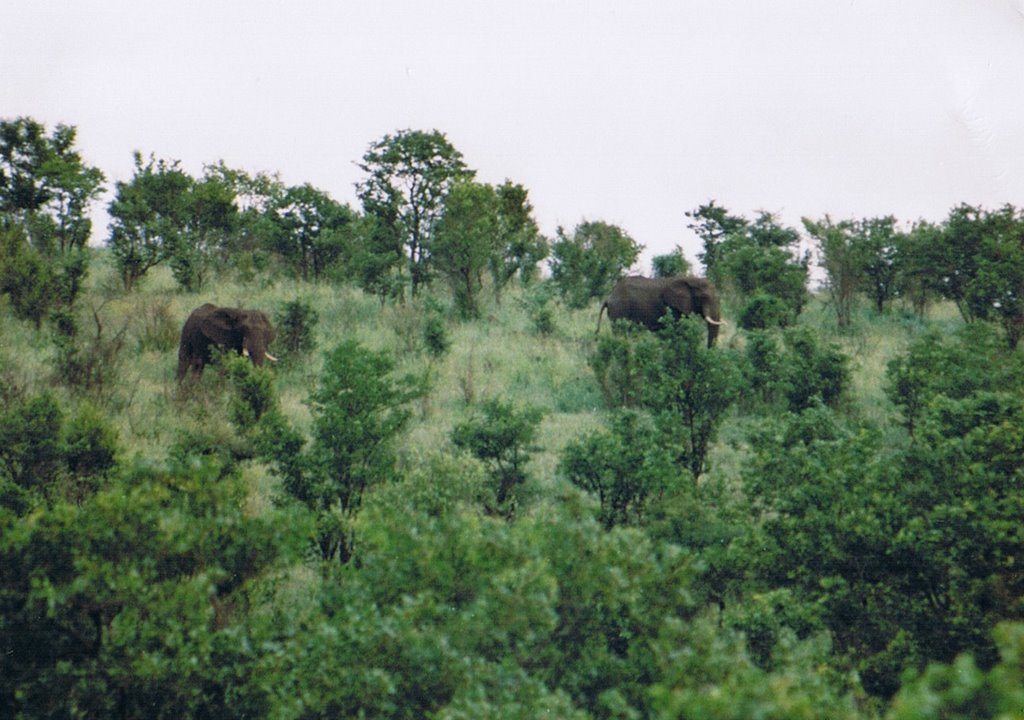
628,112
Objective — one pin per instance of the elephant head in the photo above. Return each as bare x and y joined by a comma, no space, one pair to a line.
247,332
645,300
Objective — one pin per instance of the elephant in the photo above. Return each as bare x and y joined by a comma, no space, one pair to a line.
247,332
644,300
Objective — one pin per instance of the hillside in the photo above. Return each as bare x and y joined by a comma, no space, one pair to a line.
822,551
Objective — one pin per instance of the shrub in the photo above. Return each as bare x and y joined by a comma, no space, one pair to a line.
295,324
502,438
86,364
762,311
435,330
625,467
812,370
358,411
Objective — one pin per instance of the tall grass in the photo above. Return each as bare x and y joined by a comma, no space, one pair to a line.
502,355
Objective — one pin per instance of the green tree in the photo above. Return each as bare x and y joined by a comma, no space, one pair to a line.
841,261
586,264
671,264
210,218
625,466
408,175
997,288
358,411
464,244
314,230
148,215
688,389
136,602
753,259
880,250
713,225
45,185
25,276
503,439
520,246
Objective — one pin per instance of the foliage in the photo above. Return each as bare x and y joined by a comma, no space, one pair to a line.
955,365
625,466
586,264
840,259
312,231
520,246
408,175
46,456
88,363
537,303
963,690
463,245
503,439
756,258
996,289
25,276
671,264
689,388
148,215
358,411
812,371
136,602
45,187
762,311
210,217
295,324
673,375
436,338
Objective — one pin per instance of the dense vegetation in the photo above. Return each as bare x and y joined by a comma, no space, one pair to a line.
451,499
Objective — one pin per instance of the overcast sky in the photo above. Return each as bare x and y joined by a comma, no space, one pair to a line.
628,112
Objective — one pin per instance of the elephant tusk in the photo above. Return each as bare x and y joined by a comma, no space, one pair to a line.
713,322
245,352
270,357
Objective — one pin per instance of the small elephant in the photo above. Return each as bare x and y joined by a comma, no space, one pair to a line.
247,332
645,300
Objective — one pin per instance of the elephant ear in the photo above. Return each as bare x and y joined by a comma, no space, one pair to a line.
677,295
221,325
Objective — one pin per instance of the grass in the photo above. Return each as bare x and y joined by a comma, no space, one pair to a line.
498,356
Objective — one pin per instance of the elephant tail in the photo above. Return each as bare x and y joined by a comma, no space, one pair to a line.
599,314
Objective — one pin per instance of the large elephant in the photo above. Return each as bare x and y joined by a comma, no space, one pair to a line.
247,332
645,300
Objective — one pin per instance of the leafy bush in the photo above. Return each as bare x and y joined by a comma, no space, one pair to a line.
86,364
625,467
358,411
47,457
812,373
502,438
295,324
762,311
435,330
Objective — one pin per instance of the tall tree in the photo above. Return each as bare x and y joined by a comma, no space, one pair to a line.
880,241
996,291
841,262
465,242
409,174
211,217
520,246
314,230
148,214
713,224
45,185
587,263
